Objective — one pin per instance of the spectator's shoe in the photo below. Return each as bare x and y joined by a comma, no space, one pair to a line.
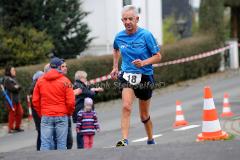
18,130
149,142
121,143
11,131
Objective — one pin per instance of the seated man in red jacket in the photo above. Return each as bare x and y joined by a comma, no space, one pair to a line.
54,100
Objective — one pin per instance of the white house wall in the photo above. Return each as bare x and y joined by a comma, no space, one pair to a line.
154,18
151,16
140,4
105,21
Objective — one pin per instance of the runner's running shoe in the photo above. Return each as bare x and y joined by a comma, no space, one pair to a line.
149,142
121,143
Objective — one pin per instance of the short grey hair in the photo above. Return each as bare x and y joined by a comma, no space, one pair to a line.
130,8
80,74
46,68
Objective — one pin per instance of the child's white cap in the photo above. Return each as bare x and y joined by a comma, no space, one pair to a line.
88,102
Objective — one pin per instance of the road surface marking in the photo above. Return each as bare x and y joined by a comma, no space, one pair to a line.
187,127
110,147
145,138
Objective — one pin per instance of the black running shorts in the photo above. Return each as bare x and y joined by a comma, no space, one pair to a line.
143,90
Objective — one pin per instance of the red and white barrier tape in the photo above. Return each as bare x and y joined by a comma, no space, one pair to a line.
178,61
100,79
192,58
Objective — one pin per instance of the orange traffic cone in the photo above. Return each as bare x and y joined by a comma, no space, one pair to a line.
211,129
226,112
180,121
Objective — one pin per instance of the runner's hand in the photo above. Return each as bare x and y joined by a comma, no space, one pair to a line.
114,73
138,63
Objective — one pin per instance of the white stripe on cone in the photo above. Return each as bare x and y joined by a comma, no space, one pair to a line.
226,109
211,126
225,100
179,117
178,108
209,104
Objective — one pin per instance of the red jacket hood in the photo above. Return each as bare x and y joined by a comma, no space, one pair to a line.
53,95
52,75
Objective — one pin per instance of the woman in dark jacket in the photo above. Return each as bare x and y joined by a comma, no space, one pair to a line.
13,90
80,82
36,118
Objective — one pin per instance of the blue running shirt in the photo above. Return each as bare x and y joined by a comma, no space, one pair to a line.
140,45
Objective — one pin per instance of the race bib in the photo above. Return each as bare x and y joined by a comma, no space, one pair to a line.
132,78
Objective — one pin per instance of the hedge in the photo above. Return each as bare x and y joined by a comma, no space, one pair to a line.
102,65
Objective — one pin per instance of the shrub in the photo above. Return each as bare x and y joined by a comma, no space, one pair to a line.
23,45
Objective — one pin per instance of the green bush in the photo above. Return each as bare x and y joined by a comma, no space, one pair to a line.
23,45
99,66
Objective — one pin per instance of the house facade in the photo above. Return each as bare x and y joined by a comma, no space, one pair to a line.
104,21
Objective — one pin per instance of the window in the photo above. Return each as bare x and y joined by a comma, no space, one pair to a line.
127,2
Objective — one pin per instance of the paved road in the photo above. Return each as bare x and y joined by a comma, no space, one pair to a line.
170,142
171,151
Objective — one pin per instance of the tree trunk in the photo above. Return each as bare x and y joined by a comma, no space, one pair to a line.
235,22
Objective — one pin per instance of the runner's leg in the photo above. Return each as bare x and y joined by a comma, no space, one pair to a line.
144,107
127,101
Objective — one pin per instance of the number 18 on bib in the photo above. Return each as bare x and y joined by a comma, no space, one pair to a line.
132,78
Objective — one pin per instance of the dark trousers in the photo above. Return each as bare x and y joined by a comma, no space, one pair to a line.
69,135
80,142
37,121
38,140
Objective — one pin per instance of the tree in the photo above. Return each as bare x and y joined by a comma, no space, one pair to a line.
169,30
23,46
211,17
235,18
62,20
